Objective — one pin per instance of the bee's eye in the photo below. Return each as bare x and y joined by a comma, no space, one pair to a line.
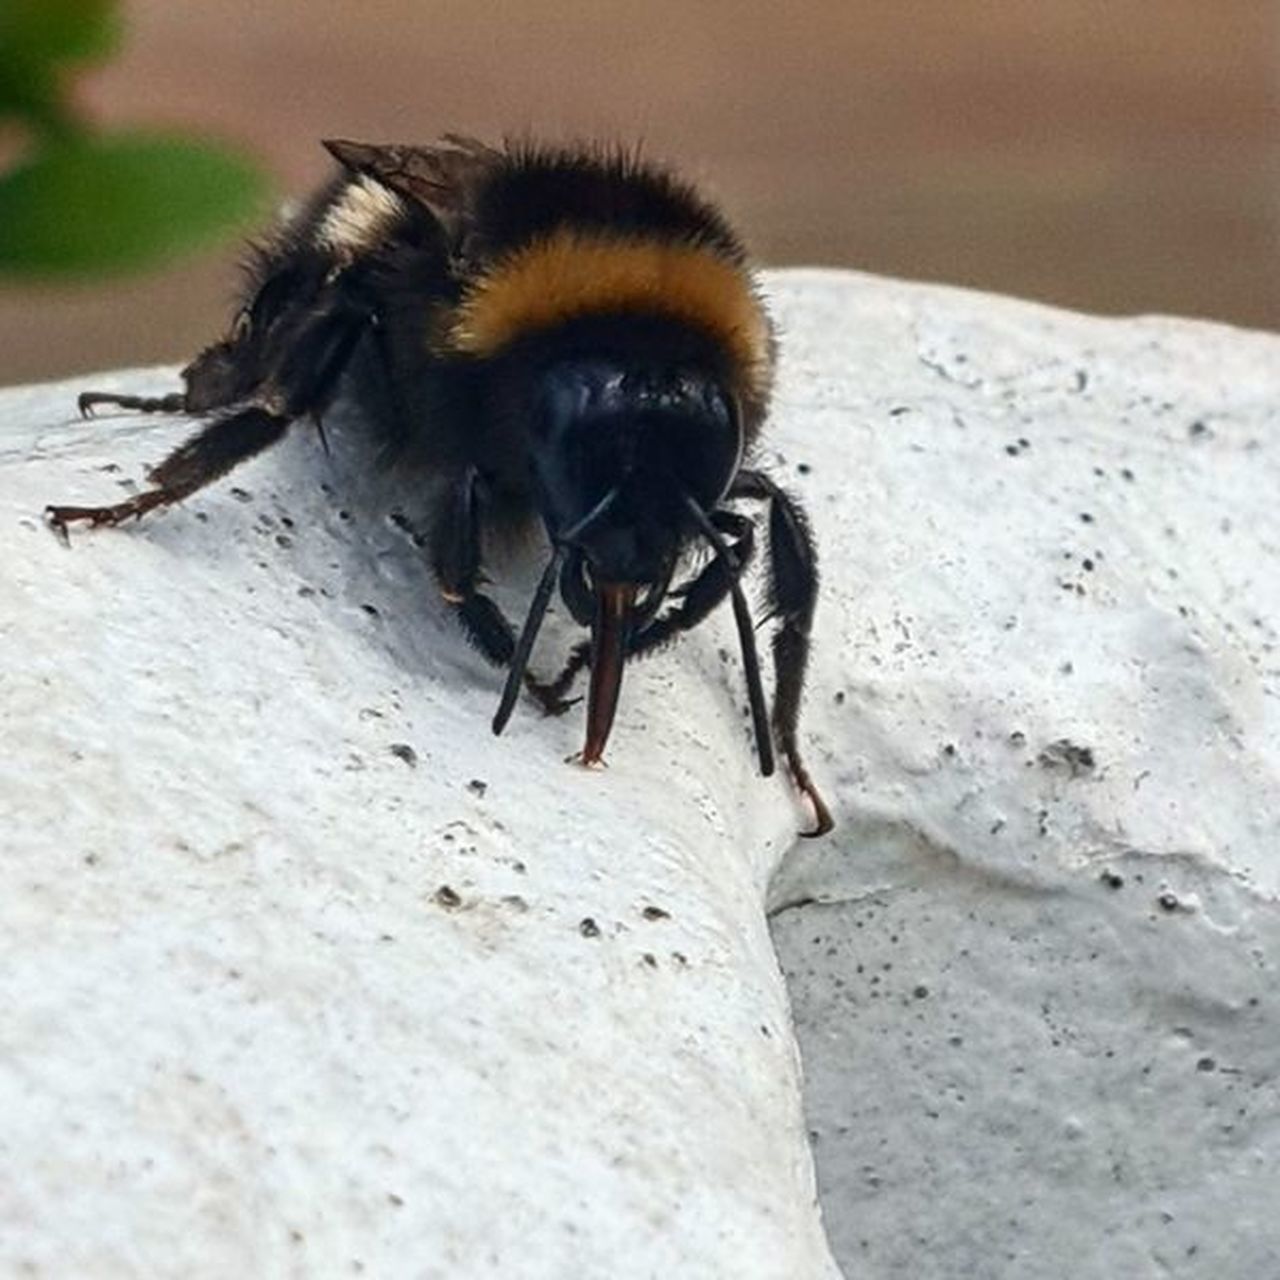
576,390
566,398
716,404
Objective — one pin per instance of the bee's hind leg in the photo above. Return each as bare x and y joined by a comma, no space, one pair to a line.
174,402
221,375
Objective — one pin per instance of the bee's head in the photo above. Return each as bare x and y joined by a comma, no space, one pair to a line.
619,450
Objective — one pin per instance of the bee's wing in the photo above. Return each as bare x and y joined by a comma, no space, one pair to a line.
440,177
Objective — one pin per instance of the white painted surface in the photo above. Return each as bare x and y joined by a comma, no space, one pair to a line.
1013,1068
243,1036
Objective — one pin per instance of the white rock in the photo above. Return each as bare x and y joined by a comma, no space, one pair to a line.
1039,1017
243,1034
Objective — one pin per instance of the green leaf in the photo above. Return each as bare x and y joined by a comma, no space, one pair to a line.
42,32
96,206
37,38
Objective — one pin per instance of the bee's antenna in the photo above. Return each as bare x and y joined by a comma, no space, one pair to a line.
746,636
538,609
575,531
524,646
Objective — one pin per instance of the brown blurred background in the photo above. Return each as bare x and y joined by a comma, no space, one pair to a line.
1112,155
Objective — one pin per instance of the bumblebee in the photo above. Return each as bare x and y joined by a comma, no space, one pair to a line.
564,336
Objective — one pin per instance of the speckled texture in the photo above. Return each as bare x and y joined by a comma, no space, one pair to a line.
1034,973
303,972
295,968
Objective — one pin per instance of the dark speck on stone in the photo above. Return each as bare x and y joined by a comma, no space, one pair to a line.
1168,901
241,495
1064,753
1206,1064
477,786
803,468
655,913
1112,879
371,610
588,927
403,751
448,898
920,992
1086,517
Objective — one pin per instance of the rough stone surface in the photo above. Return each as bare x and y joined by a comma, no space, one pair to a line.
1035,981
303,972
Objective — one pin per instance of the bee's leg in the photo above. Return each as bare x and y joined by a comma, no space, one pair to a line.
699,597
289,341
219,377
303,382
705,592
174,402
793,595
222,445
551,694
454,546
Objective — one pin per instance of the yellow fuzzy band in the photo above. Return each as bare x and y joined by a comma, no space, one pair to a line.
569,274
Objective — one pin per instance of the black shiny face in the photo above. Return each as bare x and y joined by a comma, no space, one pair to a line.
618,451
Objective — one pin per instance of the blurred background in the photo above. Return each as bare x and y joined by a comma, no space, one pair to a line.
1111,155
